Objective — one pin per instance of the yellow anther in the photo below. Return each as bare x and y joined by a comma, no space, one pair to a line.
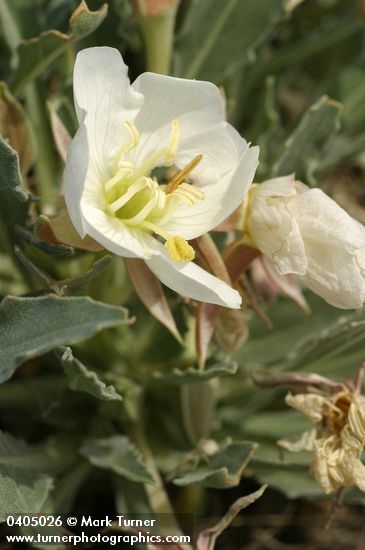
183,174
174,141
179,249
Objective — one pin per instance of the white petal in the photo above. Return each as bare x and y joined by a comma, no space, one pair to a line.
334,275
195,103
111,232
101,85
198,107
103,100
274,229
220,201
334,244
192,281
74,178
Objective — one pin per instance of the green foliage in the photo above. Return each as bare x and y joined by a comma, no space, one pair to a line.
212,44
292,77
84,380
303,149
36,54
223,470
15,199
24,486
117,454
41,324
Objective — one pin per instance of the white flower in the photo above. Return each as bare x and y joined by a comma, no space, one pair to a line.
304,232
126,132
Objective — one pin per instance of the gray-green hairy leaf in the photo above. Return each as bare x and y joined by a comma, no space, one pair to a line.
119,455
23,488
14,198
82,379
32,326
36,54
223,470
304,147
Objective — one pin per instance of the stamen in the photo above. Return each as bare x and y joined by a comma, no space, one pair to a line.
174,141
133,189
171,203
143,213
161,198
146,167
185,199
151,209
179,249
129,145
134,135
191,190
125,166
179,178
156,229
125,169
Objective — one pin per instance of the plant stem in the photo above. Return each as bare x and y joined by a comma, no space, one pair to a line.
46,164
157,496
158,33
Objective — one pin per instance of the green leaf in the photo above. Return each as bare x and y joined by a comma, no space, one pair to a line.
15,200
36,54
191,374
218,37
32,326
84,21
304,147
351,91
336,351
224,469
82,379
294,483
291,325
10,279
117,454
23,489
275,424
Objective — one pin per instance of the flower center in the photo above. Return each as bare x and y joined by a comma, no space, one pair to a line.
140,201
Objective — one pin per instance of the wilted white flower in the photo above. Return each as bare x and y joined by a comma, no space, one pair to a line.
304,232
112,189
337,438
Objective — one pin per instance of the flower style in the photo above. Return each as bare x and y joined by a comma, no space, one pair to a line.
304,232
337,438
153,165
